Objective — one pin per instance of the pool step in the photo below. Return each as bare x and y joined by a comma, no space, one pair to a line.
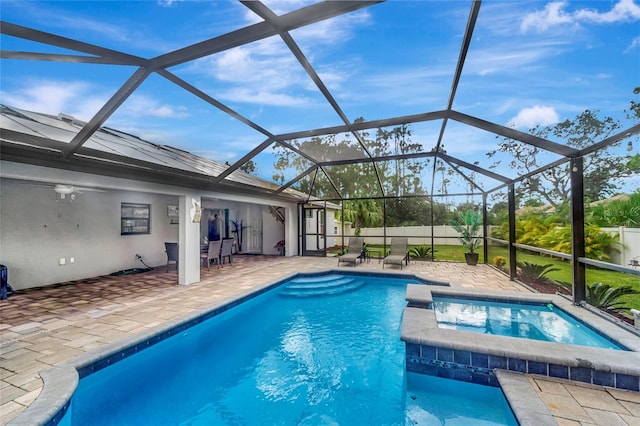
317,288
325,283
316,279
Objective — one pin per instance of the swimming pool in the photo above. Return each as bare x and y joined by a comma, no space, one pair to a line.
545,322
316,350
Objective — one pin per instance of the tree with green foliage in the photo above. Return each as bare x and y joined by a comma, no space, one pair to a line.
361,213
616,212
602,169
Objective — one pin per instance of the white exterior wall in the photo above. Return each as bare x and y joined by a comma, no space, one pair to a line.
272,231
36,231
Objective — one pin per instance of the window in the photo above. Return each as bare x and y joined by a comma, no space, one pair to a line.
135,219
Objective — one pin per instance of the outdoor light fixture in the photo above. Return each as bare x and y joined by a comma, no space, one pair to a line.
630,146
574,169
63,189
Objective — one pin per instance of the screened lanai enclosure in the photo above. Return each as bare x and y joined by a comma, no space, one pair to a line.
381,119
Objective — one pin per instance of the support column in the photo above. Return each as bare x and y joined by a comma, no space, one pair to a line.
189,239
291,227
485,229
577,230
512,231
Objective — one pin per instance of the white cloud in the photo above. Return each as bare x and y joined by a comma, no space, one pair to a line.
554,14
144,106
623,11
504,58
262,97
634,44
531,117
76,98
551,16
267,73
168,3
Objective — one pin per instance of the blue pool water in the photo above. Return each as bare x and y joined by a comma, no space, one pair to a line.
319,350
531,321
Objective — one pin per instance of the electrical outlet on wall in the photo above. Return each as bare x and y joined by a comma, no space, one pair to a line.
72,260
62,261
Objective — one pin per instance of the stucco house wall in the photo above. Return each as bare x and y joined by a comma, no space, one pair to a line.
38,228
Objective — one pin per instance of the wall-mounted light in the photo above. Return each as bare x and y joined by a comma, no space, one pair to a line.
630,146
574,169
63,189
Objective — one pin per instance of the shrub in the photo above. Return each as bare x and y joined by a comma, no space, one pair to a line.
598,244
421,252
604,296
499,262
530,272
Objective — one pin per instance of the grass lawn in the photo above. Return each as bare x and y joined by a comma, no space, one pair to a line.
613,278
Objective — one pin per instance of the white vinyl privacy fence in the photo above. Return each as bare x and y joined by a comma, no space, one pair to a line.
629,238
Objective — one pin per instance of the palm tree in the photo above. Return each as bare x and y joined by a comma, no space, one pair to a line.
604,296
362,213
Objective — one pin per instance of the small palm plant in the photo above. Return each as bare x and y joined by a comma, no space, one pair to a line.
468,224
531,272
604,296
421,252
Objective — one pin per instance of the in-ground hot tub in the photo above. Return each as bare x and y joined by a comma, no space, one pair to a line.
538,321
472,356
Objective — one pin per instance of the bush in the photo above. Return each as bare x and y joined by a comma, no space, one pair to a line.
604,296
499,262
531,272
598,244
421,252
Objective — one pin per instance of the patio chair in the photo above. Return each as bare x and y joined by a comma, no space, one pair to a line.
398,253
173,253
635,262
212,253
354,251
226,250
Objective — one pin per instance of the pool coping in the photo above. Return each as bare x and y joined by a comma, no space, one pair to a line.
526,404
579,363
61,380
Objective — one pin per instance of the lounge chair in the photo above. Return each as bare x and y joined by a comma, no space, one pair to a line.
354,251
172,253
398,253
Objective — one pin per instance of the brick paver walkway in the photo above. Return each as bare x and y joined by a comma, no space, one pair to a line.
42,327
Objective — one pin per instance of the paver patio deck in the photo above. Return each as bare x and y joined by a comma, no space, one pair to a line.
42,327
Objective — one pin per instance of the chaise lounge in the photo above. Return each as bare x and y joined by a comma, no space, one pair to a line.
354,251
398,253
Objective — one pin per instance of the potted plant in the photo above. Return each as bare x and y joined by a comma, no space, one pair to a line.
468,224
280,246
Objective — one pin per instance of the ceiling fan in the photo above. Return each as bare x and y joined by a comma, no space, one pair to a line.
70,189
65,190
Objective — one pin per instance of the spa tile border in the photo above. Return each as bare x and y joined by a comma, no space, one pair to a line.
473,357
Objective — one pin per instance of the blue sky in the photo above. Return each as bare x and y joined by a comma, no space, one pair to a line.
529,63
